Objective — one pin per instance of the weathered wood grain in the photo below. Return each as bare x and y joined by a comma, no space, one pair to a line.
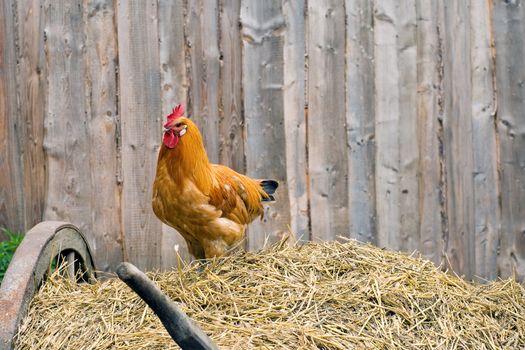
378,118
294,117
103,129
327,143
203,99
174,90
360,118
509,26
231,126
429,111
140,115
485,154
66,141
458,142
172,54
408,133
12,206
387,99
397,196
262,33
31,102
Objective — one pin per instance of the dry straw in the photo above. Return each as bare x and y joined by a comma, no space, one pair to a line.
317,296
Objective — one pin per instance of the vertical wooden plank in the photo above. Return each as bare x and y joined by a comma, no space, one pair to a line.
172,54
230,97
11,187
262,30
66,143
327,144
294,116
387,125
101,77
30,72
396,125
360,115
408,133
140,113
457,138
203,36
174,86
429,75
485,167
509,26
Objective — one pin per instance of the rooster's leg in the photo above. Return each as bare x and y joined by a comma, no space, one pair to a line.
196,249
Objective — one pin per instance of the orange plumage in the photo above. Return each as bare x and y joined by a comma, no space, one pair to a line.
210,205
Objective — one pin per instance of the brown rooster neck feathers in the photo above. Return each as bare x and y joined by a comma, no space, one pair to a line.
188,158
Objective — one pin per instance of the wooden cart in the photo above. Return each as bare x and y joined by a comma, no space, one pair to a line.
50,242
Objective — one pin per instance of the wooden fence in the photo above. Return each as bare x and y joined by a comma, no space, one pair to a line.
400,123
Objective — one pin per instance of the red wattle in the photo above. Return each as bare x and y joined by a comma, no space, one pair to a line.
170,139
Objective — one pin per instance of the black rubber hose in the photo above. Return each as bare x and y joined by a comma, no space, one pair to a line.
180,327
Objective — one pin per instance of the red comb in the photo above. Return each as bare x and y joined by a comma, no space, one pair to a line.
176,113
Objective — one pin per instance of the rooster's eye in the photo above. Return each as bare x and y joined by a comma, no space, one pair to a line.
178,125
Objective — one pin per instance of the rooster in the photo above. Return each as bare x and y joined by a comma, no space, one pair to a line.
210,205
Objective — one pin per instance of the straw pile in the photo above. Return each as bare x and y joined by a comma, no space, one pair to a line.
326,296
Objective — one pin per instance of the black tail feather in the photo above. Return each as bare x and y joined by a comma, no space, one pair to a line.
269,186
